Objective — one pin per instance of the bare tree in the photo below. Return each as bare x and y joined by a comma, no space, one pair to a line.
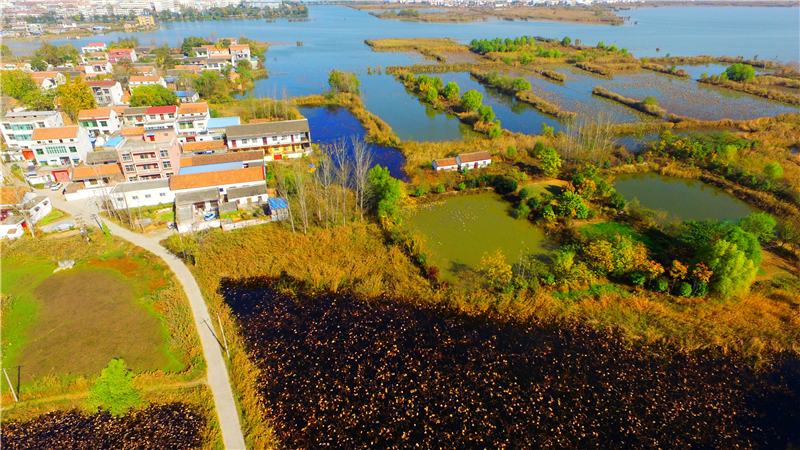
342,165
362,162
325,175
299,176
283,187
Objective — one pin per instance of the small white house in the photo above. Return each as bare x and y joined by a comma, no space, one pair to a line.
245,195
474,160
445,164
100,121
11,227
94,47
61,145
133,194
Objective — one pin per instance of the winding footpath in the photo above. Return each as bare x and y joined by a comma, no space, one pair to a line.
217,375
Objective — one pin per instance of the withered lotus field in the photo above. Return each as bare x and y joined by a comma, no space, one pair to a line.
171,426
340,373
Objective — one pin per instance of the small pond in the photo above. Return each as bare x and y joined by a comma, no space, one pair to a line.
681,198
459,230
333,124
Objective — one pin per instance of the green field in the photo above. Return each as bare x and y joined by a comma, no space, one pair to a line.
71,323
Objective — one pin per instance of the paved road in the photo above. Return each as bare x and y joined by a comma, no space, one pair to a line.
217,371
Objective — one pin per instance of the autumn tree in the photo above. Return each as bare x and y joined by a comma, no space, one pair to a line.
153,95
16,84
74,96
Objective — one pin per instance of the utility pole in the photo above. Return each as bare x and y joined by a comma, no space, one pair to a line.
11,386
223,336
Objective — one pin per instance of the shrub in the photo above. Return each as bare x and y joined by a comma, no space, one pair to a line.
639,159
461,186
773,171
511,152
533,203
638,278
440,189
537,149
431,94
486,114
685,289
701,290
661,284
504,185
650,101
114,391
522,211
740,72
616,200
761,225
546,130
471,100
571,205
495,131
566,42
524,193
419,192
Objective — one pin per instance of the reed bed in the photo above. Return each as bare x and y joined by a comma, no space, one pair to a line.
767,92
653,110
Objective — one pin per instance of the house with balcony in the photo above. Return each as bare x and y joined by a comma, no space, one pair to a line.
240,52
218,62
279,139
161,118
153,156
118,54
106,93
100,121
17,127
200,52
48,80
97,176
61,145
192,120
134,116
145,80
95,68
214,52
94,47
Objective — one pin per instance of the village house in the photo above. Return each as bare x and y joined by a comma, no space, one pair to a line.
445,164
48,80
217,162
17,200
118,54
200,52
100,121
192,120
218,62
216,126
475,160
280,139
205,147
94,47
17,127
214,52
93,177
106,93
103,157
95,68
134,116
155,155
145,70
240,51
48,174
61,145
134,194
146,80
161,118
187,96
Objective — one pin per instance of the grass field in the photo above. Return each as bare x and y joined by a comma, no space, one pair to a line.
55,214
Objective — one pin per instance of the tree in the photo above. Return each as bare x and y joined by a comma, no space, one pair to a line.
16,84
511,152
773,171
40,100
387,191
570,204
761,225
451,91
431,94
521,84
601,45
362,158
522,211
740,72
495,131
496,270
486,114
566,42
471,100
551,162
343,82
192,42
153,95
733,271
788,232
114,390
212,87
4,50
74,96
38,64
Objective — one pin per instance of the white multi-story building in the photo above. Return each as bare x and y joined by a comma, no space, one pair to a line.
61,145
18,127
161,118
94,47
279,140
100,121
192,120
107,93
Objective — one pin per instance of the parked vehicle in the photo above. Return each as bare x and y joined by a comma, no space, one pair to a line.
210,216
56,186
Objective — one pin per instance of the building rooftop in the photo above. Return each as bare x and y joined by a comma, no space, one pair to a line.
137,145
44,134
222,178
193,108
113,142
103,156
262,129
162,109
203,195
133,186
474,157
244,192
91,172
102,83
220,158
135,110
446,162
97,113
206,168
216,144
144,78
25,116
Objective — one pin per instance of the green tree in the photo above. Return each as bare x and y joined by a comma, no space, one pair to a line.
452,91
386,190
192,42
566,42
521,84
788,232
486,114
511,152
212,87
733,271
38,64
537,149
74,96
16,84
650,101
4,50
471,100
601,45
343,82
740,72
431,94
524,193
570,204
761,225
522,211
551,162
495,131
40,100
114,390
153,95
773,171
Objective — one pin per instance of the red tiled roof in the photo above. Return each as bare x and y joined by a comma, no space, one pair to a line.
193,108
211,179
98,113
446,162
219,158
104,170
473,157
132,131
161,109
143,78
44,134
102,83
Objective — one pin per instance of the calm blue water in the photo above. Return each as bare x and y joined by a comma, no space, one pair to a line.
334,124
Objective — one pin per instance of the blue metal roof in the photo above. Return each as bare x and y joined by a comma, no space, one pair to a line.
222,122
170,79
277,203
185,93
210,168
113,142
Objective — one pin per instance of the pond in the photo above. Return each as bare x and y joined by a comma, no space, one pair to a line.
459,230
681,198
328,125
337,372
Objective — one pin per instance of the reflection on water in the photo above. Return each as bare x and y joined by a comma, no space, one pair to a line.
681,198
459,230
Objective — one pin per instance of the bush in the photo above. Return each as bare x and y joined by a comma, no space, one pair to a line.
701,290
486,114
616,200
431,94
533,203
639,159
566,42
461,186
546,130
504,185
114,391
638,278
440,189
739,72
761,225
511,152
685,289
522,211
650,101
661,284
495,131
524,193
537,149
419,192
471,100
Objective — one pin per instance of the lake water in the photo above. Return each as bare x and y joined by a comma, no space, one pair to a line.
329,125
459,230
682,198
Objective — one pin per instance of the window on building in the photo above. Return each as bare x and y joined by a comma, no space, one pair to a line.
167,164
147,195
39,151
164,153
162,195
168,174
134,197
129,168
103,123
73,150
171,116
40,124
152,116
55,149
7,126
127,157
119,199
